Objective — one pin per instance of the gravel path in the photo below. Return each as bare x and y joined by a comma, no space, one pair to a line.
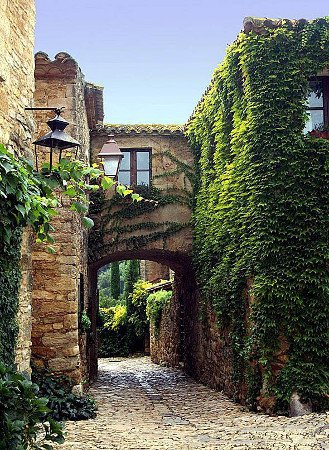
145,406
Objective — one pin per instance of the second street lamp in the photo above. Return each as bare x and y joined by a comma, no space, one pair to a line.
111,156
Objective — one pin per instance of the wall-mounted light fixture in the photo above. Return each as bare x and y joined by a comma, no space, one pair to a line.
111,156
57,140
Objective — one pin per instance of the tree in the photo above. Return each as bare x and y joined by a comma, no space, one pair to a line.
115,280
132,274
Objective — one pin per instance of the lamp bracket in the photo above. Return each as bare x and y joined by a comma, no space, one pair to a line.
57,111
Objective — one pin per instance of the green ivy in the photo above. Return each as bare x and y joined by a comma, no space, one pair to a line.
262,208
155,304
10,278
63,404
25,416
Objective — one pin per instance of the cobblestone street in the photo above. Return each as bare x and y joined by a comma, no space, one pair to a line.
145,406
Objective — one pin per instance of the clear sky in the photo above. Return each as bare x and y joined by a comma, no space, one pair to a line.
154,57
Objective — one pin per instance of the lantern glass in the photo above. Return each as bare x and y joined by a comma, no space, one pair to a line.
111,165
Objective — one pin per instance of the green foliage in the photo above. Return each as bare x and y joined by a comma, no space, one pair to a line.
62,403
25,198
137,316
262,209
10,278
155,304
114,317
85,321
114,335
115,280
110,284
132,273
123,327
24,415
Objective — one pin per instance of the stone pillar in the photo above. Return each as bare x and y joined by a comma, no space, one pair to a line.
55,299
58,296
24,318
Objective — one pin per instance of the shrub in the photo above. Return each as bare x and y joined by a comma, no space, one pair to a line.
24,415
137,317
63,404
155,304
113,333
122,333
85,321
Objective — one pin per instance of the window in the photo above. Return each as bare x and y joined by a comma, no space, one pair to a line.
135,168
318,104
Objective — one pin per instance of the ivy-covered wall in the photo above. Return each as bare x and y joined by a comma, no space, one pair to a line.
261,214
10,278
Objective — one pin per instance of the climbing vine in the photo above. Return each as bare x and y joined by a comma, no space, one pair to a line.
261,240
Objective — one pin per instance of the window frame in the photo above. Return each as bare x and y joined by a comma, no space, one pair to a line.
325,91
133,170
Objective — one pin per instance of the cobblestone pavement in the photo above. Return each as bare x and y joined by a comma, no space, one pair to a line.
145,406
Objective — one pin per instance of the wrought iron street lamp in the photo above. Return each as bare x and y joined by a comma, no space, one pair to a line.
56,139
111,156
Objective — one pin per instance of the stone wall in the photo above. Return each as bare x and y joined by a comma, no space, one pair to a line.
16,74
189,336
165,343
16,128
153,271
207,352
58,296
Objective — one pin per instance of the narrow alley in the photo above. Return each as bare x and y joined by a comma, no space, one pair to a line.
146,406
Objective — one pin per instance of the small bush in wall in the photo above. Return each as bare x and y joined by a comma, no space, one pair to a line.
24,415
63,404
85,322
155,304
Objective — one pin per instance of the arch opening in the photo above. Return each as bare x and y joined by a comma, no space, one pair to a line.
120,326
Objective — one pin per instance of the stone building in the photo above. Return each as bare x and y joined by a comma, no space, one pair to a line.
17,128
60,281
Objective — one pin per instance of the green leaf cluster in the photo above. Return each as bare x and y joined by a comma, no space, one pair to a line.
155,304
63,404
24,415
261,214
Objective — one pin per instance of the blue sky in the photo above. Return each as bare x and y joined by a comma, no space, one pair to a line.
154,57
